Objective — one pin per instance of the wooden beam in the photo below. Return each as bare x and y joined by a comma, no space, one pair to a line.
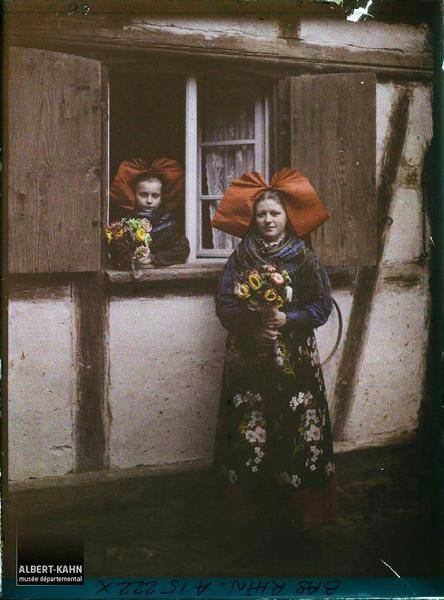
97,33
91,357
105,488
367,279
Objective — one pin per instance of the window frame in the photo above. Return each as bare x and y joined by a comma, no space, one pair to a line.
193,166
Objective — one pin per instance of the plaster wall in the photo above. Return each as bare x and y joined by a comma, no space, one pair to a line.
166,356
41,390
365,34
389,388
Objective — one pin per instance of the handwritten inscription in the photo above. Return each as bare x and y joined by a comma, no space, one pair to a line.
244,588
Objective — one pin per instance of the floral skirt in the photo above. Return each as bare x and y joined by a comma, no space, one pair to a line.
274,424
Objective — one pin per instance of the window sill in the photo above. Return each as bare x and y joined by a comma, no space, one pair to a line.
187,272
204,272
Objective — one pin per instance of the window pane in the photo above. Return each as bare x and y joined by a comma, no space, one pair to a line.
228,116
222,164
213,238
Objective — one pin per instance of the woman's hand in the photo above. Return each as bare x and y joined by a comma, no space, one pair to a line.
266,336
275,319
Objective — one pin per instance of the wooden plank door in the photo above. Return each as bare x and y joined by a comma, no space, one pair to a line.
55,183
333,143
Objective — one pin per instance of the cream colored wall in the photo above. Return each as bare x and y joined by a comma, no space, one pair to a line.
41,388
166,356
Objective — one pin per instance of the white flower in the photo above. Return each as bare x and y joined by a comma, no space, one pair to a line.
238,400
302,399
258,451
312,467
232,476
310,416
261,435
250,436
295,481
254,468
279,361
312,434
252,399
247,398
315,451
257,415
288,293
257,460
256,434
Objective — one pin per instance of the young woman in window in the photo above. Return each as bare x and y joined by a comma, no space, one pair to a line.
152,190
274,429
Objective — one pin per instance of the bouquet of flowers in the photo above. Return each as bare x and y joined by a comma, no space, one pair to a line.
129,241
266,289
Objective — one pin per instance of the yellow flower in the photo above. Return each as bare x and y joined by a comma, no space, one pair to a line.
109,236
279,302
242,290
255,281
119,233
270,295
140,235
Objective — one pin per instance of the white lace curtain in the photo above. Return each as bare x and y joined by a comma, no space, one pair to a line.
227,117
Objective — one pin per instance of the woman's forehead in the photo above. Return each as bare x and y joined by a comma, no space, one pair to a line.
269,204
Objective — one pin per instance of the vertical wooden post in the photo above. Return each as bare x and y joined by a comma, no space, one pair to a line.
91,355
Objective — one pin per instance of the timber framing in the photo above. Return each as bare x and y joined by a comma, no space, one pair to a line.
108,36
367,277
90,346
82,490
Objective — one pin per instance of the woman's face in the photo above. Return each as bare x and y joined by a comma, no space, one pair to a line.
271,219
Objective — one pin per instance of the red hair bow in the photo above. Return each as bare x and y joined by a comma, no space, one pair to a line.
167,170
305,211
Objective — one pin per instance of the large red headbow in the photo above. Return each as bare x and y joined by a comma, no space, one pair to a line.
167,170
304,209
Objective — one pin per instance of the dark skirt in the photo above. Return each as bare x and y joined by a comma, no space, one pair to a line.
274,426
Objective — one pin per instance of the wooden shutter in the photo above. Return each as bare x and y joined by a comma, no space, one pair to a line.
55,171
333,143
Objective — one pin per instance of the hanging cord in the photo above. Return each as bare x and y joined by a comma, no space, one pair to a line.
339,336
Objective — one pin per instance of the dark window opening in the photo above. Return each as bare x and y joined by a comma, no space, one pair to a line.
147,118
